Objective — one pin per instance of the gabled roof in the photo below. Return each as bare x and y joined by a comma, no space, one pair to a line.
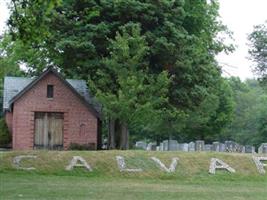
16,87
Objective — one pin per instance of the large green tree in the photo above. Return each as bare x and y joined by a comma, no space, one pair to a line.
132,97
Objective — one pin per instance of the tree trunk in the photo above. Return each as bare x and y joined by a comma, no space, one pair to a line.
118,135
124,139
111,134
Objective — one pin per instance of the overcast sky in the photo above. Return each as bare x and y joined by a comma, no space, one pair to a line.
239,15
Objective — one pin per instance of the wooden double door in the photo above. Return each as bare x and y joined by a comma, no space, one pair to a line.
48,133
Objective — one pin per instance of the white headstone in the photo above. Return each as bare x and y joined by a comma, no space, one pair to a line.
141,145
161,147
249,149
151,146
173,145
229,146
165,145
208,147
191,147
183,147
222,147
216,146
200,145
263,148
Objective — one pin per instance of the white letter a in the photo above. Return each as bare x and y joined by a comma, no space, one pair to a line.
74,163
220,165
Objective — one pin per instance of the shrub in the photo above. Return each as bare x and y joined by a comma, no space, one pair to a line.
80,147
5,136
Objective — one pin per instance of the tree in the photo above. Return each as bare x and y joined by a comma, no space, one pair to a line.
249,120
208,121
132,97
9,66
258,50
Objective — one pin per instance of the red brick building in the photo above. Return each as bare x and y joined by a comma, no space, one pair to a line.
49,112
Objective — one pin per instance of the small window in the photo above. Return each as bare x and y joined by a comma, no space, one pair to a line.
50,91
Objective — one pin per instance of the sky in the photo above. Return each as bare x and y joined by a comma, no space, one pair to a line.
238,15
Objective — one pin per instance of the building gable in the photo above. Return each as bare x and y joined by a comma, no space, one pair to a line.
14,91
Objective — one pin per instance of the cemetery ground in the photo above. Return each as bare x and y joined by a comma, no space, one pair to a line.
190,181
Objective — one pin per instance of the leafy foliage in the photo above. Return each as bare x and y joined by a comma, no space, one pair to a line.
130,91
214,113
9,62
75,35
5,136
249,123
258,50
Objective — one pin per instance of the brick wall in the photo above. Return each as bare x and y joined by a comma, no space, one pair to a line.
80,125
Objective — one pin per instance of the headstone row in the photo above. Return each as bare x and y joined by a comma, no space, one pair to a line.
199,145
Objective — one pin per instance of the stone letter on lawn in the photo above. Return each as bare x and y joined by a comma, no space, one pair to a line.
122,165
219,164
74,163
17,159
260,166
163,167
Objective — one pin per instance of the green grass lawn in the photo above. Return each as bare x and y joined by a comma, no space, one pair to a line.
33,186
190,181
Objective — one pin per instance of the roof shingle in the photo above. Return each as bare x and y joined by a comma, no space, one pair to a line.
14,85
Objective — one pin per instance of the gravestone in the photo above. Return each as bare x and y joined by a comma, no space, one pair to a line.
240,149
170,145
229,146
161,146
200,145
222,147
243,149
191,146
183,147
151,146
173,145
216,146
263,148
208,147
249,149
165,145
236,147
141,145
